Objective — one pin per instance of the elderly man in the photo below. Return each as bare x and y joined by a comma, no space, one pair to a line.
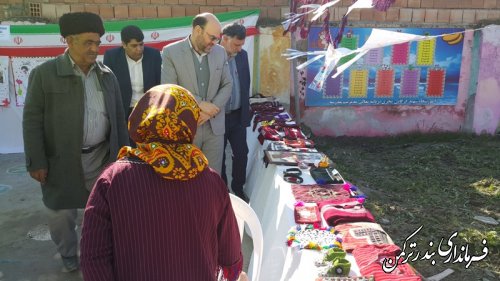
73,125
199,64
237,109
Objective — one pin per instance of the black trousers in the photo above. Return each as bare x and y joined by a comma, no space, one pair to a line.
236,135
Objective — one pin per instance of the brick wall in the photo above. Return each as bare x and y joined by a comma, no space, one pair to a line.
412,12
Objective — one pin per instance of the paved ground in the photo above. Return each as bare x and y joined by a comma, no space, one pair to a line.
26,251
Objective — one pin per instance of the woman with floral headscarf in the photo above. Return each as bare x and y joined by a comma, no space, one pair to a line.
159,212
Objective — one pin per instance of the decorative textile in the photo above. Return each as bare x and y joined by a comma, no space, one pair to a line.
300,143
307,214
369,259
314,193
359,234
293,133
339,211
313,237
163,125
80,22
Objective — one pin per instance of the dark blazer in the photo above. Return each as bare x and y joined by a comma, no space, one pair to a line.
244,76
151,70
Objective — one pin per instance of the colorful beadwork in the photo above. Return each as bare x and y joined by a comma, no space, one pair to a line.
313,237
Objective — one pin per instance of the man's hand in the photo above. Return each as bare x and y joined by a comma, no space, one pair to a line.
203,118
39,175
209,108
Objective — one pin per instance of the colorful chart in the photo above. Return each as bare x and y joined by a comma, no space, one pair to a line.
410,79
358,87
350,42
425,52
334,86
384,85
400,54
414,73
374,57
435,82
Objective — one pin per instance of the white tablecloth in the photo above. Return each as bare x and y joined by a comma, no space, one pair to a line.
272,199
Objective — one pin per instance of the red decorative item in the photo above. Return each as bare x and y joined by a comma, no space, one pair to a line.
308,214
5,102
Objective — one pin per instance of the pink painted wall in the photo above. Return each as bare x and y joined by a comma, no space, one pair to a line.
487,101
392,120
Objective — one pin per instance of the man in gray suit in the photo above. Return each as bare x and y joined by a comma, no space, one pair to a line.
199,64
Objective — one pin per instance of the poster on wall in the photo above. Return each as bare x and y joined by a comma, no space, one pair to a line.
414,73
22,67
4,81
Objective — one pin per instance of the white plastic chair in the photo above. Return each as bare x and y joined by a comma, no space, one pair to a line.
245,214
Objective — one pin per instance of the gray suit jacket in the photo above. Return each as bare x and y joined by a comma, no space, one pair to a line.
178,68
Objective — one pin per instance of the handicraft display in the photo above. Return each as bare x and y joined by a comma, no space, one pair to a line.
359,234
326,176
293,158
314,193
307,214
283,146
310,237
338,211
370,260
334,263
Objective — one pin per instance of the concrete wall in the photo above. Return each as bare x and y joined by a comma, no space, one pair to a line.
487,100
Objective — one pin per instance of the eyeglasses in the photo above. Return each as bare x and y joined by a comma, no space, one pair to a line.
212,37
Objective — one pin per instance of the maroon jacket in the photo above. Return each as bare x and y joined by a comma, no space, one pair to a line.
140,226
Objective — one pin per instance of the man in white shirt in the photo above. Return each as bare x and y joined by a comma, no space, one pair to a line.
137,67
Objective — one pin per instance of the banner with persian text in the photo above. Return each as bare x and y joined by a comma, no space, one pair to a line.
425,72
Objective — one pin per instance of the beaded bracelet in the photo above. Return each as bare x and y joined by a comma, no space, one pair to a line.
313,237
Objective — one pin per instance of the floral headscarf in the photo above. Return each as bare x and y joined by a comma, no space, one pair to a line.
163,125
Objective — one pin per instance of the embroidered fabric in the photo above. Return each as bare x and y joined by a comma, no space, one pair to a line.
339,211
308,214
358,234
370,257
314,193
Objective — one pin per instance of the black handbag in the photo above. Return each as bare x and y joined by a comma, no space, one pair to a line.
326,176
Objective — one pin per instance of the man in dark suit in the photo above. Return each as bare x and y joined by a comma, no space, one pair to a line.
137,67
237,108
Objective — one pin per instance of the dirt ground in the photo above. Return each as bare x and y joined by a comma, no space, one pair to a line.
440,182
